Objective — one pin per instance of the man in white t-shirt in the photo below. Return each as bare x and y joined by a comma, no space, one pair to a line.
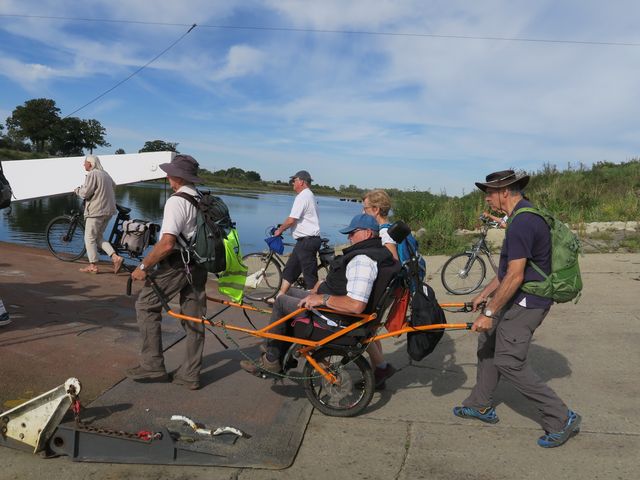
173,278
305,225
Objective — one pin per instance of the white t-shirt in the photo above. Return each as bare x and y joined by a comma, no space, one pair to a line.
306,214
385,237
179,215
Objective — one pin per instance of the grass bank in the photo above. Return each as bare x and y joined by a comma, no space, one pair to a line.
604,192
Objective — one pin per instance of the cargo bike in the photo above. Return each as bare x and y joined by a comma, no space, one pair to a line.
337,378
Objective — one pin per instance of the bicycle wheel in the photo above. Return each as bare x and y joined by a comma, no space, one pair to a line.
352,391
463,273
65,238
264,276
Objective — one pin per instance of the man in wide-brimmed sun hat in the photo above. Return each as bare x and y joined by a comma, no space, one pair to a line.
511,316
178,221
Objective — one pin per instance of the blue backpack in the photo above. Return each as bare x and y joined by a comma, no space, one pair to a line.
407,248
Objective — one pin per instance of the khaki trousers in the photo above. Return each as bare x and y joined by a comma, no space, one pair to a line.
170,276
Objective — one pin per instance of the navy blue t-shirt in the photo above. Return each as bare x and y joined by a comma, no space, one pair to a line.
527,237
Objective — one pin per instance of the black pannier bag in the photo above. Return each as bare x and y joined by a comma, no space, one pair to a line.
425,310
137,235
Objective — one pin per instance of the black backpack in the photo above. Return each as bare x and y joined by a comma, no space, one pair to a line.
425,310
206,247
5,190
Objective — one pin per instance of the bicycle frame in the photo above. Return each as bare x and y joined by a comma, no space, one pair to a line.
481,247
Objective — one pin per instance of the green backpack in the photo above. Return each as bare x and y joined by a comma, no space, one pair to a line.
564,283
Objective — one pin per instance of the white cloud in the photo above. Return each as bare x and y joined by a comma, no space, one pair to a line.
241,60
445,109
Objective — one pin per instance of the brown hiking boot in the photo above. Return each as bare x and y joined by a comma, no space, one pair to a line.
190,384
262,365
140,373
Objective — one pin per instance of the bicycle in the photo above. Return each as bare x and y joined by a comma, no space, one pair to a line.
65,235
464,272
264,274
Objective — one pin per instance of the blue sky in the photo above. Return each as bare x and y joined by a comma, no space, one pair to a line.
424,112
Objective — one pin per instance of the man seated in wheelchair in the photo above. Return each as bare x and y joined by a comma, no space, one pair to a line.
348,288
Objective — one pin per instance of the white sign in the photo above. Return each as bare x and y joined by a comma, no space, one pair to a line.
45,177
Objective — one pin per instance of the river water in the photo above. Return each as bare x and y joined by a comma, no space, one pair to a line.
252,212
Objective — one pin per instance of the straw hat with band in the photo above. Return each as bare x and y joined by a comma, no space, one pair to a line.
502,179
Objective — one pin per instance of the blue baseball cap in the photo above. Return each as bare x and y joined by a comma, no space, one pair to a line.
363,222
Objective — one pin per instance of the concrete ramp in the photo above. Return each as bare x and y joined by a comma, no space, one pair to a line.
274,415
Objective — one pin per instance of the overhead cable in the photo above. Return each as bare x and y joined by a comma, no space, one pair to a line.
134,73
343,32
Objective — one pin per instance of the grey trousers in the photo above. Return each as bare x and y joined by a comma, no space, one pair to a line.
94,228
502,352
284,305
172,280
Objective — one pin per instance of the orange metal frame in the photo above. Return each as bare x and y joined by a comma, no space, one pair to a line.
309,346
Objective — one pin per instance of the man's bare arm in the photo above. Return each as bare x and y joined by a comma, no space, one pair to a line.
341,303
286,224
160,250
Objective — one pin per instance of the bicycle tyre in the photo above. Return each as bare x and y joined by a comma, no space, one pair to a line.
263,279
460,277
353,391
63,248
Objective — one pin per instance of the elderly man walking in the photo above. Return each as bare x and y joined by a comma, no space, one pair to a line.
511,316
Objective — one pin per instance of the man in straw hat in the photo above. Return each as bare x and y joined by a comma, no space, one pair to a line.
510,316
171,276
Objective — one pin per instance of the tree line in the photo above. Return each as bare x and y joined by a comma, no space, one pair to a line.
36,126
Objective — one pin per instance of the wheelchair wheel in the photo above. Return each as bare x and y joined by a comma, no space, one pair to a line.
463,273
65,238
264,276
353,390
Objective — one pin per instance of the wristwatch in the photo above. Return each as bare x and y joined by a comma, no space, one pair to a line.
325,299
141,267
488,313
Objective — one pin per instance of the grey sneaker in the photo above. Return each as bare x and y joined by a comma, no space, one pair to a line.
5,321
262,365
139,373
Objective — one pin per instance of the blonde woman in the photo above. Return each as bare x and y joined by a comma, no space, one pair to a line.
100,205
378,204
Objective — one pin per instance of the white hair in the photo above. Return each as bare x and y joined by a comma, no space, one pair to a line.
94,161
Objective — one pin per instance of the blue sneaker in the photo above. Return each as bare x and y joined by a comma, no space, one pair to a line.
487,415
550,440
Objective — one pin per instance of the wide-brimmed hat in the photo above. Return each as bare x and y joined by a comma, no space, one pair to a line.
502,179
302,175
183,166
361,222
